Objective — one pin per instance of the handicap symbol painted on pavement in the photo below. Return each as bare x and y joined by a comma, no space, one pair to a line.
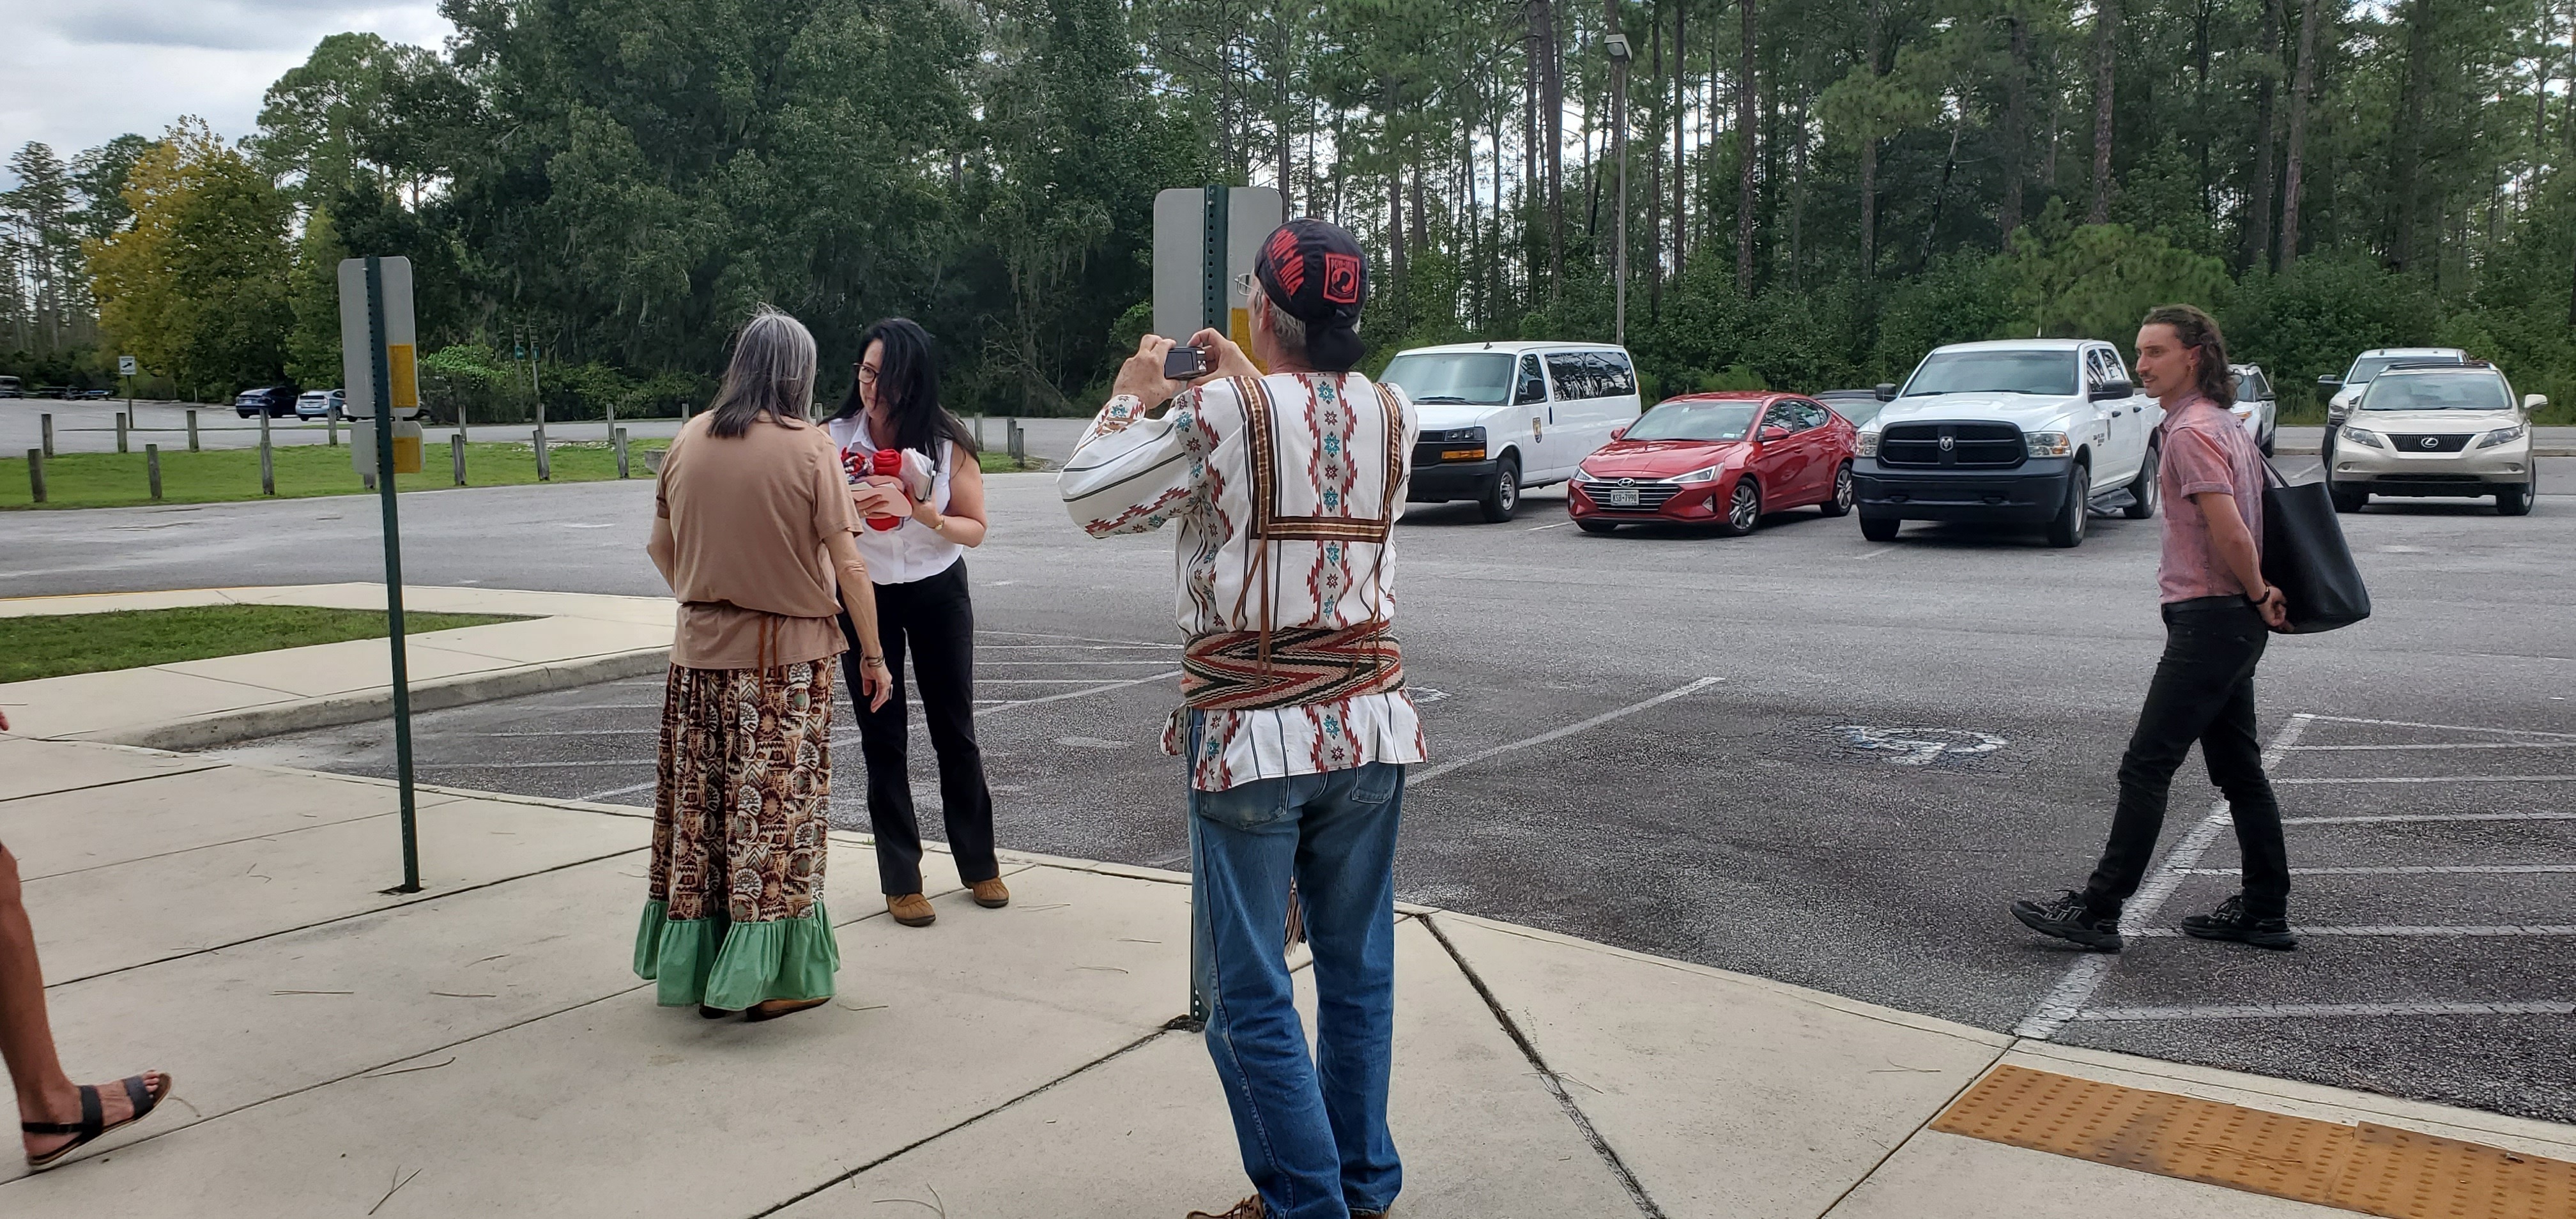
1919,746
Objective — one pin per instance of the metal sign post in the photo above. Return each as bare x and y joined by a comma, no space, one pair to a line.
381,362
1205,237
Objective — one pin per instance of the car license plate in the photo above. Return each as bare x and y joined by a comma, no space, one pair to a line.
1624,498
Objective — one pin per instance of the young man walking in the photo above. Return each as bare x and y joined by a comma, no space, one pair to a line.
2218,614
1296,725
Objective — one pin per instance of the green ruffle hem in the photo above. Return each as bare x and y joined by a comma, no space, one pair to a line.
723,964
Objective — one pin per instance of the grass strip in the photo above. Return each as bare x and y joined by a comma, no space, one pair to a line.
53,645
121,480
115,480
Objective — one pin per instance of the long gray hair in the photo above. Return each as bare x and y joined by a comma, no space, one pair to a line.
772,373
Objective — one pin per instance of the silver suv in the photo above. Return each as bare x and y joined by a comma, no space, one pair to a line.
2437,429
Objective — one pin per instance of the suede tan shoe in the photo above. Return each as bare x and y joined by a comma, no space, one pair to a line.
991,894
911,910
1249,1208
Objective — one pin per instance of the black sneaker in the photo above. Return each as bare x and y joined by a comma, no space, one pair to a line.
2072,919
2228,922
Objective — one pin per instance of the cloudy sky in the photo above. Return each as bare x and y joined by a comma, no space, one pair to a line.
81,71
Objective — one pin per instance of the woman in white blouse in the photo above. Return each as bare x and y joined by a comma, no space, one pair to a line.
922,523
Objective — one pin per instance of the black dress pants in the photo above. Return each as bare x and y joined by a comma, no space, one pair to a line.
2203,691
931,621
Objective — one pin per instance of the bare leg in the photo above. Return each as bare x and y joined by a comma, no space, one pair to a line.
45,1094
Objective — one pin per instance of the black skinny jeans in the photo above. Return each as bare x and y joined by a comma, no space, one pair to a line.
2203,691
934,621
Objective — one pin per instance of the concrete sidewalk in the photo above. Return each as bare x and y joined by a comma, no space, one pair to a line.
571,639
481,1048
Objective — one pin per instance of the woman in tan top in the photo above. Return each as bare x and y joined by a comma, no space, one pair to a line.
752,530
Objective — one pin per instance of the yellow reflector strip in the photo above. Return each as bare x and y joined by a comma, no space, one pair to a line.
1462,454
401,367
2373,1169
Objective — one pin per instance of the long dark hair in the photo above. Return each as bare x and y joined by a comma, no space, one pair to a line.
2198,331
908,383
772,373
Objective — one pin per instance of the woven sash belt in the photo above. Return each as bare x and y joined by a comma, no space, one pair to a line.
1305,665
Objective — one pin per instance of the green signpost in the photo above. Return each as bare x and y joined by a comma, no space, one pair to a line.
376,346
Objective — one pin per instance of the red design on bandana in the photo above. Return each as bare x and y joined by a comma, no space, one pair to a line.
1342,279
1285,264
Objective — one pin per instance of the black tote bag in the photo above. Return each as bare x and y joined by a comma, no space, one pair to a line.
2304,556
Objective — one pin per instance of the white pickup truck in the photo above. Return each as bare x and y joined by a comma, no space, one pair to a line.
2024,431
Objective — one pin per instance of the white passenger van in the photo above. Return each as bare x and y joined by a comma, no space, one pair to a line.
1500,417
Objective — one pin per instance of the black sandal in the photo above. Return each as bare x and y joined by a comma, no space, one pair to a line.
93,1121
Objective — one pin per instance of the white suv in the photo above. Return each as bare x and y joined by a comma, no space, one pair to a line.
2024,431
2437,429
2347,388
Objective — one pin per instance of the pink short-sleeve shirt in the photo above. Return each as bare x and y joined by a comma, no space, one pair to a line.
2205,449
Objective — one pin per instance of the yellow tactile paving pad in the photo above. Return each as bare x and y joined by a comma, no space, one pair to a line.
2373,1169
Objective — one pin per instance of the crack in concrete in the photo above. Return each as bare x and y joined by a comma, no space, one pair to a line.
1547,1075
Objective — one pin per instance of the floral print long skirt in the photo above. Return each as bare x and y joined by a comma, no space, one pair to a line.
734,910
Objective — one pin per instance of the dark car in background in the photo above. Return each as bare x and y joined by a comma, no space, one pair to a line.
275,401
1857,406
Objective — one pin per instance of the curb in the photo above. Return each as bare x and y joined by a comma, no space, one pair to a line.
336,710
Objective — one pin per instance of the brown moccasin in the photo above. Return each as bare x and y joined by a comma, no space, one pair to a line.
991,894
911,909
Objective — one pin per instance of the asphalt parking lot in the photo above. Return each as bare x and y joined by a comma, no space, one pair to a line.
1806,756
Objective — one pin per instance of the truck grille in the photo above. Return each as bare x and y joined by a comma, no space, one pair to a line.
1981,446
2437,442
1651,496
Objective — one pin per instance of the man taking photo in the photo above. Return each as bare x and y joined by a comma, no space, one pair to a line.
2218,614
1296,724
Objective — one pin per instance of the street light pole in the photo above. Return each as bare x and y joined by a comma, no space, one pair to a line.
1620,54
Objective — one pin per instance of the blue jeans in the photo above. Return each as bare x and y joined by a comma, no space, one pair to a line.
1313,1131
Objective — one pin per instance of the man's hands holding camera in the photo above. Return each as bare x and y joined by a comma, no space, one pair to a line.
1142,374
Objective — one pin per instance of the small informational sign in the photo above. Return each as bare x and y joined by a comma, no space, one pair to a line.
362,446
357,362
126,366
1204,239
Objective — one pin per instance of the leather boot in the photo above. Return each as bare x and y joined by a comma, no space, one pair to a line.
911,909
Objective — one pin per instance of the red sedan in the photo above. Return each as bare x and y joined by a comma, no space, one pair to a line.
1720,459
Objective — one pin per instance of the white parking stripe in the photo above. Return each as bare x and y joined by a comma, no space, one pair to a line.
1067,647
531,710
2346,719
2435,779
2439,745
2462,869
1086,691
627,790
2428,817
1078,639
568,732
1429,773
1024,663
1035,681
2431,932
2066,1000
2277,1011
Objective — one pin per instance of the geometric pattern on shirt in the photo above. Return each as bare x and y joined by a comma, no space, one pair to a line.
1229,671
